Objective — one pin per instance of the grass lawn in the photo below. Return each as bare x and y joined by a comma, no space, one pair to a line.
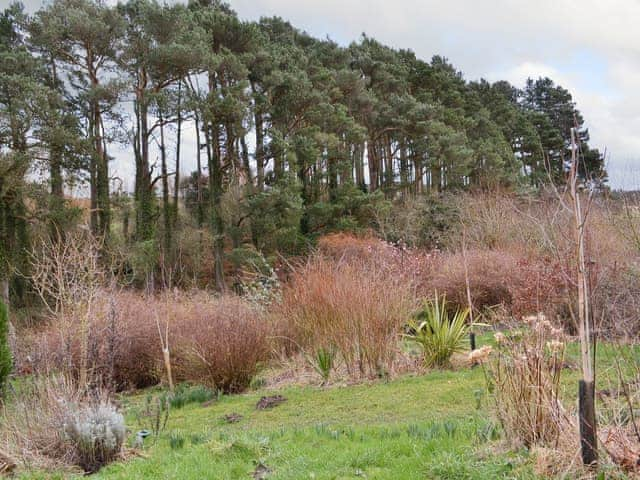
435,426
411,428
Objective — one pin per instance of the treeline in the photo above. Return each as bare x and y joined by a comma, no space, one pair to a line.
295,136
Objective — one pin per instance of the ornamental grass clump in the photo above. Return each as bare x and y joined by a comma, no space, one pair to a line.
358,306
323,362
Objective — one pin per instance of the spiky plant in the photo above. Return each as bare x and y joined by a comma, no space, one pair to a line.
438,333
323,362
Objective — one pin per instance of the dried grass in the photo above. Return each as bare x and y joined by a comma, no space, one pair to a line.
33,432
357,306
524,378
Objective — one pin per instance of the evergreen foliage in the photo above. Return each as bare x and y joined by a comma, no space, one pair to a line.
305,136
6,359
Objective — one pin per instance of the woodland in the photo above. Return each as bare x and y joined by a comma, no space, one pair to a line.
229,249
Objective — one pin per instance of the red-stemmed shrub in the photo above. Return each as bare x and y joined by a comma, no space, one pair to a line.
220,343
357,306
217,341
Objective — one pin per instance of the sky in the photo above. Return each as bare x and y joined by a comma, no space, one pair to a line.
590,47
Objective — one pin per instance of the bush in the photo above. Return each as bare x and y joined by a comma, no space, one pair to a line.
422,221
439,333
51,424
6,360
123,344
520,251
97,432
518,281
348,247
220,343
358,306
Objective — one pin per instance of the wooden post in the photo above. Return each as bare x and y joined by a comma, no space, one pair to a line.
472,334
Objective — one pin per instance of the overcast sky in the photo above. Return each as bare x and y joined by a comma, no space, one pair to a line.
591,47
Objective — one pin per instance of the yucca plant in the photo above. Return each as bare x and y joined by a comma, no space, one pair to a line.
438,333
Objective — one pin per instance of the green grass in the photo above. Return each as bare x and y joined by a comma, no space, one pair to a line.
411,428
436,426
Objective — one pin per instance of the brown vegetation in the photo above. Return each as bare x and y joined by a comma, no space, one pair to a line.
357,306
218,341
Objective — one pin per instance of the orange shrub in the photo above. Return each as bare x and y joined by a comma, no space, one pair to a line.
522,283
358,307
346,246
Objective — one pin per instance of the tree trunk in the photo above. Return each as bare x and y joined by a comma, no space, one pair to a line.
166,206
217,226
56,202
372,159
102,201
200,206
212,139
245,162
176,180
144,191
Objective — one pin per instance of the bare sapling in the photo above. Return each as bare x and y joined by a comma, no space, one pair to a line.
163,334
586,390
68,277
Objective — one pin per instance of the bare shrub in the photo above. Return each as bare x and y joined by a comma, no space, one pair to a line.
498,221
122,344
519,282
215,341
521,253
358,306
220,342
68,276
524,378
